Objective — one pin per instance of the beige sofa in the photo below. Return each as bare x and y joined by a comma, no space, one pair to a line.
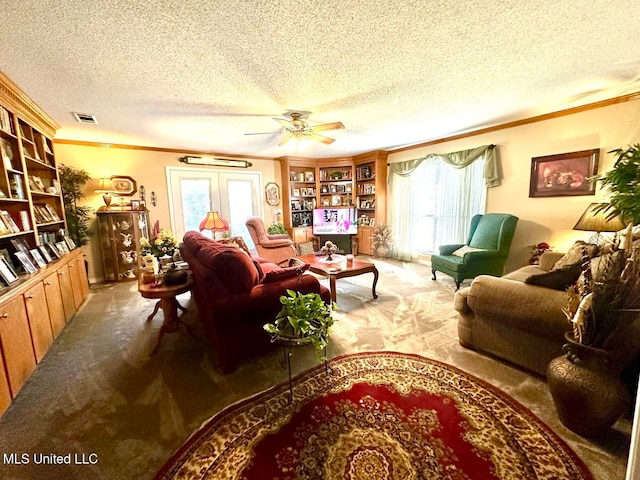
512,320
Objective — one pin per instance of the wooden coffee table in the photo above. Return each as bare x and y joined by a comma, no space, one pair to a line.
166,295
342,269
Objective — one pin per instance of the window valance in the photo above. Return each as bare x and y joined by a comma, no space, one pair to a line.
459,159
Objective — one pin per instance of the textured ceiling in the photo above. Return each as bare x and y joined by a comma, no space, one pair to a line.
199,74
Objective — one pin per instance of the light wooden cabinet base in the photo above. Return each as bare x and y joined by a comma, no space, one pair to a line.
32,314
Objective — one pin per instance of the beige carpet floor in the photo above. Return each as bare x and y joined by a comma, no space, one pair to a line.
119,413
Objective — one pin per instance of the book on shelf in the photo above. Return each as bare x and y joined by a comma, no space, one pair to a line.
25,220
8,222
6,123
17,190
6,150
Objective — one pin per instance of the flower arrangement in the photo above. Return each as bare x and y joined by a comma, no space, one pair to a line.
536,252
165,243
382,237
328,249
606,296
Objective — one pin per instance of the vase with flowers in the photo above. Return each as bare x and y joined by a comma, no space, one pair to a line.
603,308
382,240
162,247
328,249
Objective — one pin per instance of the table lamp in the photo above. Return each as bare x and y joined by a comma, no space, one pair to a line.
214,222
596,219
105,187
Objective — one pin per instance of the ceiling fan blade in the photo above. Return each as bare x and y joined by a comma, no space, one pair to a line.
319,138
327,126
260,133
285,140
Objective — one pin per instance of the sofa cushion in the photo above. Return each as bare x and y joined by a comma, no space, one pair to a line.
240,274
575,253
279,274
558,278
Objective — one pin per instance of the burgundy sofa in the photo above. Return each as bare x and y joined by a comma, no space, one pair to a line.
236,294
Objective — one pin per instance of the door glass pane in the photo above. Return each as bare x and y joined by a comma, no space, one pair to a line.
240,208
196,202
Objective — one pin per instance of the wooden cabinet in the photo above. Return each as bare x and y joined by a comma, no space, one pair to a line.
64,280
5,391
37,311
32,314
365,242
53,295
15,339
120,233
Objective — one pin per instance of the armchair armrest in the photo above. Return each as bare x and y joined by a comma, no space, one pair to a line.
283,241
449,249
482,255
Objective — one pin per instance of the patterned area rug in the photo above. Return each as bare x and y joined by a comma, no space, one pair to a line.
377,416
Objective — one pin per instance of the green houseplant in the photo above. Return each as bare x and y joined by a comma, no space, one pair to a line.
72,180
276,228
622,184
304,318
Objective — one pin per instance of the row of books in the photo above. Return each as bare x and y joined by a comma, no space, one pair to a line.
6,122
45,213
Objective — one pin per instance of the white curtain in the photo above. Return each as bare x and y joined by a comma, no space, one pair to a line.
432,199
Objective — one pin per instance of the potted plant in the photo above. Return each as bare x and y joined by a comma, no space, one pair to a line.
276,229
72,180
304,318
382,240
622,184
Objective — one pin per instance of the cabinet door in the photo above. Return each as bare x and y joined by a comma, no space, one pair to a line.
66,291
75,284
15,339
38,314
364,240
53,295
82,275
5,392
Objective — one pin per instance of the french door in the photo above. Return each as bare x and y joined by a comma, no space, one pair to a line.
193,192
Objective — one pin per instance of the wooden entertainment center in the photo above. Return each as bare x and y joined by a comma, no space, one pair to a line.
358,181
34,307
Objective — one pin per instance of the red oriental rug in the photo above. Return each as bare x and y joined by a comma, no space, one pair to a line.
377,416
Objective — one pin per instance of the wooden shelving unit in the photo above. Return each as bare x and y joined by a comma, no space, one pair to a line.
34,305
358,181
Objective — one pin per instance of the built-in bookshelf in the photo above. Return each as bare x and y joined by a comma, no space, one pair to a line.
31,207
336,186
313,183
302,195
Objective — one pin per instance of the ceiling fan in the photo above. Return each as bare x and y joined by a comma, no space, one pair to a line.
296,128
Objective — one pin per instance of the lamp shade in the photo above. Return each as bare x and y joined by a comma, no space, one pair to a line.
594,219
214,222
104,185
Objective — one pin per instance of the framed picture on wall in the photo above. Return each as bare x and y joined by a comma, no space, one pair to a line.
565,174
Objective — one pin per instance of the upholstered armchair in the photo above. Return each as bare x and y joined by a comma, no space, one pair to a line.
277,249
485,252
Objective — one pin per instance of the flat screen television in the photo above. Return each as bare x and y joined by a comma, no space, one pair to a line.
335,221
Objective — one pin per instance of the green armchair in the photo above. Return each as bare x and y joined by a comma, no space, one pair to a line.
489,241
